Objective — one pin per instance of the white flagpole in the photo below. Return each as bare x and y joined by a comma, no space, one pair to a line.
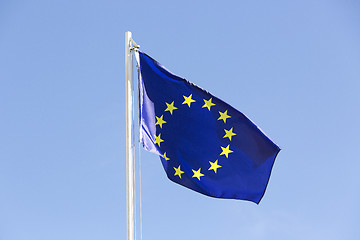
129,144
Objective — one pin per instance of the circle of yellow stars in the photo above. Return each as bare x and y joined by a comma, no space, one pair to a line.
229,133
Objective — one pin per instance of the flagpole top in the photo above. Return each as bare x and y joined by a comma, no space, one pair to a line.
132,44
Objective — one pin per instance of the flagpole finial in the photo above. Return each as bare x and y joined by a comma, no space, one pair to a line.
130,43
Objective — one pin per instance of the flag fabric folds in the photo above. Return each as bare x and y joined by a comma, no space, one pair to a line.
204,144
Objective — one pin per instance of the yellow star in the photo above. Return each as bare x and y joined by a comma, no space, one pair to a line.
214,166
178,172
188,100
208,104
170,107
229,133
158,139
160,121
226,151
166,158
197,173
223,116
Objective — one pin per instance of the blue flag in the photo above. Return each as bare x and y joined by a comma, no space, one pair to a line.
204,144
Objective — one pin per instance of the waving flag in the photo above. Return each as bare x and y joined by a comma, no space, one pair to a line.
204,144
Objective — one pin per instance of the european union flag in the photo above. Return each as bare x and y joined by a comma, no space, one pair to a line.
203,143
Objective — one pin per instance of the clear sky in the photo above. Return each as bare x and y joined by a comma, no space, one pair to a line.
293,67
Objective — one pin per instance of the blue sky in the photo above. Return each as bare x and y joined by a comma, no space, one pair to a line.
293,67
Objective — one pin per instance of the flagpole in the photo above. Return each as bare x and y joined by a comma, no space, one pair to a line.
129,143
